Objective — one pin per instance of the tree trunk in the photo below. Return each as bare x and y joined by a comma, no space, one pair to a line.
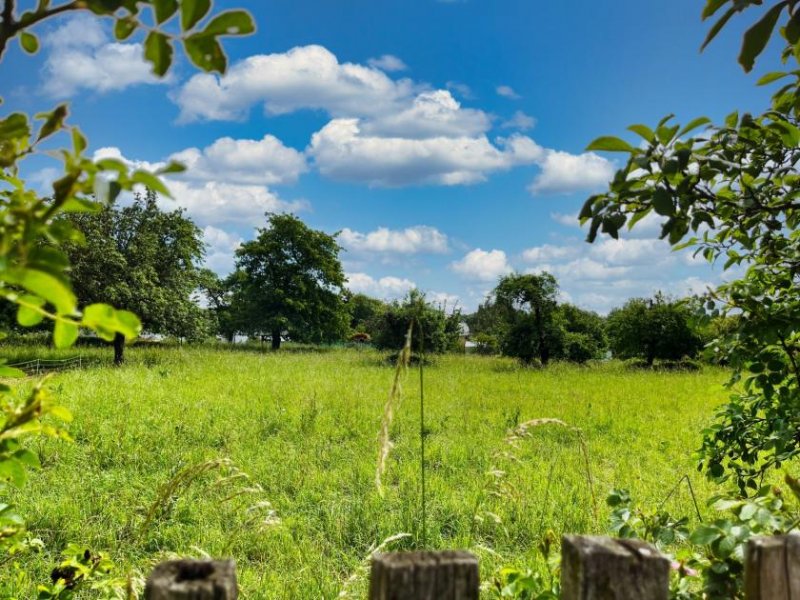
276,340
119,349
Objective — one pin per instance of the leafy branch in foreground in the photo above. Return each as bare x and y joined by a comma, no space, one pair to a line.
34,269
731,192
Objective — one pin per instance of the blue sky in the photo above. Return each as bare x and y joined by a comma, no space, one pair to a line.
445,140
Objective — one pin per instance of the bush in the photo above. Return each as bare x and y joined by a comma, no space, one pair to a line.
487,344
440,332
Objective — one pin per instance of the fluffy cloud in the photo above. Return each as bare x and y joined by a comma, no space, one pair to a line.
431,114
81,57
342,151
548,252
261,162
307,77
447,301
412,240
387,62
220,248
507,92
520,121
386,288
646,252
562,173
212,201
480,265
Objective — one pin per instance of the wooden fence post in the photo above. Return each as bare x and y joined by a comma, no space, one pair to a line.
424,576
772,568
192,580
601,568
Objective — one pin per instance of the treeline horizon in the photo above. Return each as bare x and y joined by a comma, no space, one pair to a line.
288,284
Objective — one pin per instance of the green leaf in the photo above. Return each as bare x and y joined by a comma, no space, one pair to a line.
231,22
611,144
12,470
27,313
65,333
29,42
192,11
704,535
151,181
158,50
54,121
164,9
717,27
6,371
106,321
14,126
45,286
644,131
28,458
662,203
205,52
692,125
770,77
756,38
124,28
713,6
172,167
78,141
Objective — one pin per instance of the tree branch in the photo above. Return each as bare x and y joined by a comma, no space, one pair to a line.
9,27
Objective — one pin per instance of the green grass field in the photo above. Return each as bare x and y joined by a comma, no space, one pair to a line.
304,426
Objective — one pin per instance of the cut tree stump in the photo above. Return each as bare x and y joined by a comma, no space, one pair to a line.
772,568
424,576
602,568
192,580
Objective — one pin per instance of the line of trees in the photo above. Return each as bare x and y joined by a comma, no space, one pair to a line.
288,283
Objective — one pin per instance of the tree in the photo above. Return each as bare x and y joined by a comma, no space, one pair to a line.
364,313
141,259
34,270
290,279
652,328
534,329
732,192
584,334
434,330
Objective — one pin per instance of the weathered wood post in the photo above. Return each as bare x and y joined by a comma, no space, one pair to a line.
424,576
192,580
601,568
772,568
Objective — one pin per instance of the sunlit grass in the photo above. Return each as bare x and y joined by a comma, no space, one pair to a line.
304,426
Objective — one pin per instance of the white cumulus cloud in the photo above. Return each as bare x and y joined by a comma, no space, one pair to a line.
385,288
562,173
412,240
387,62
507,92
79,56
483,265
220,248
264,162
305,77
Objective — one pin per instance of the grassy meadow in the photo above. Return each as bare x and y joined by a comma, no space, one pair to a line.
304,424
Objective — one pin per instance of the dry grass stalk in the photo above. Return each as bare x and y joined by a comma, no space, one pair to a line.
363,566
392,402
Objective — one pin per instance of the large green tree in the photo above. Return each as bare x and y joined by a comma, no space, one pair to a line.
434,330
731,191
290,279
534,330
142,259
652,328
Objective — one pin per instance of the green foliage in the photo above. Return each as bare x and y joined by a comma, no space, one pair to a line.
34,267
651,329
365,313
434,331
533,328
731,192
487,343
142,259
584,334
710,554
289,279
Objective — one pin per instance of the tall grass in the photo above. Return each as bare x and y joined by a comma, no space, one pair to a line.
303,424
